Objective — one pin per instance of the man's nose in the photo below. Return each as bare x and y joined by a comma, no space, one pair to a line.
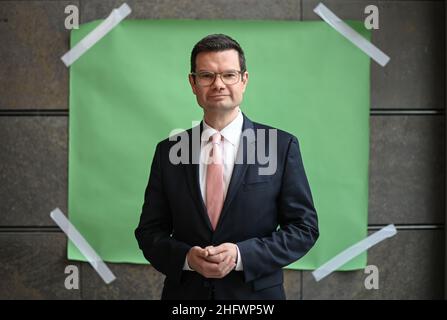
218,83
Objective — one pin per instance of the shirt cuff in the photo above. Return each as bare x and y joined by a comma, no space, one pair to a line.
186,265
239,266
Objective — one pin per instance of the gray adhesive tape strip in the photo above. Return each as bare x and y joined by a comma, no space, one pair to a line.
95,35
353,251
335,22
90,254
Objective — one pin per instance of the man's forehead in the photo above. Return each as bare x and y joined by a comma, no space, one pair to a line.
226,58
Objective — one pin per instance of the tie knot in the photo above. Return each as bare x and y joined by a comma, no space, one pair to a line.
216,138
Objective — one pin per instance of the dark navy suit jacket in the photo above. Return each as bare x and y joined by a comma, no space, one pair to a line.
271,218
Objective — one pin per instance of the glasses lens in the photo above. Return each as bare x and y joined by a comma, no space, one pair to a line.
205,78
230,77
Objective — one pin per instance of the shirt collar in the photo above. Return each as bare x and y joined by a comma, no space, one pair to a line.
231,132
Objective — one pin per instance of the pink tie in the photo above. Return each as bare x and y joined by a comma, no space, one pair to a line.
214,181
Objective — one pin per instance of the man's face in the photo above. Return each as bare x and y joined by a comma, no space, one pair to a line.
219,96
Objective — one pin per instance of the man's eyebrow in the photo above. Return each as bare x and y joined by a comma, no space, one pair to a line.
227,70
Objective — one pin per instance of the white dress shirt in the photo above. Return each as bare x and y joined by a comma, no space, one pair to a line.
231,136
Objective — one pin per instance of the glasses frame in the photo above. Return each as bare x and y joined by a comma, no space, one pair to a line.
195,74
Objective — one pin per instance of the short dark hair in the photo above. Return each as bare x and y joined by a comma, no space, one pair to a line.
217,42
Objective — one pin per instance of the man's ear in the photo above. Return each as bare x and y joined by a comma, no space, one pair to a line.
244,80
191,82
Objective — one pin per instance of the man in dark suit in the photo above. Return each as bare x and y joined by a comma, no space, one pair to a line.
228,203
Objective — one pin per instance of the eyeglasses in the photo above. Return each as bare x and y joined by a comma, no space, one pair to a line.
207,78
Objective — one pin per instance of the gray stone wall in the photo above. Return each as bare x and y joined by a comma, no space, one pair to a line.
407,153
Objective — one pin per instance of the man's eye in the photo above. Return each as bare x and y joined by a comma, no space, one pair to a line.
206,75
231,75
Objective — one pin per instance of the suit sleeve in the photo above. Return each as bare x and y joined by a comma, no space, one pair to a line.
298,223
153,233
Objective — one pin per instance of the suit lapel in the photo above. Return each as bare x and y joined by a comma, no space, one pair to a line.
192,175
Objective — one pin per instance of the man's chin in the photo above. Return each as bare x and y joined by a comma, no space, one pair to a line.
217,107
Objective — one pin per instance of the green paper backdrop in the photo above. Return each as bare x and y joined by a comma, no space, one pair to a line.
130,90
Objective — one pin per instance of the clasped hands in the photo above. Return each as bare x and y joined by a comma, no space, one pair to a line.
213,262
